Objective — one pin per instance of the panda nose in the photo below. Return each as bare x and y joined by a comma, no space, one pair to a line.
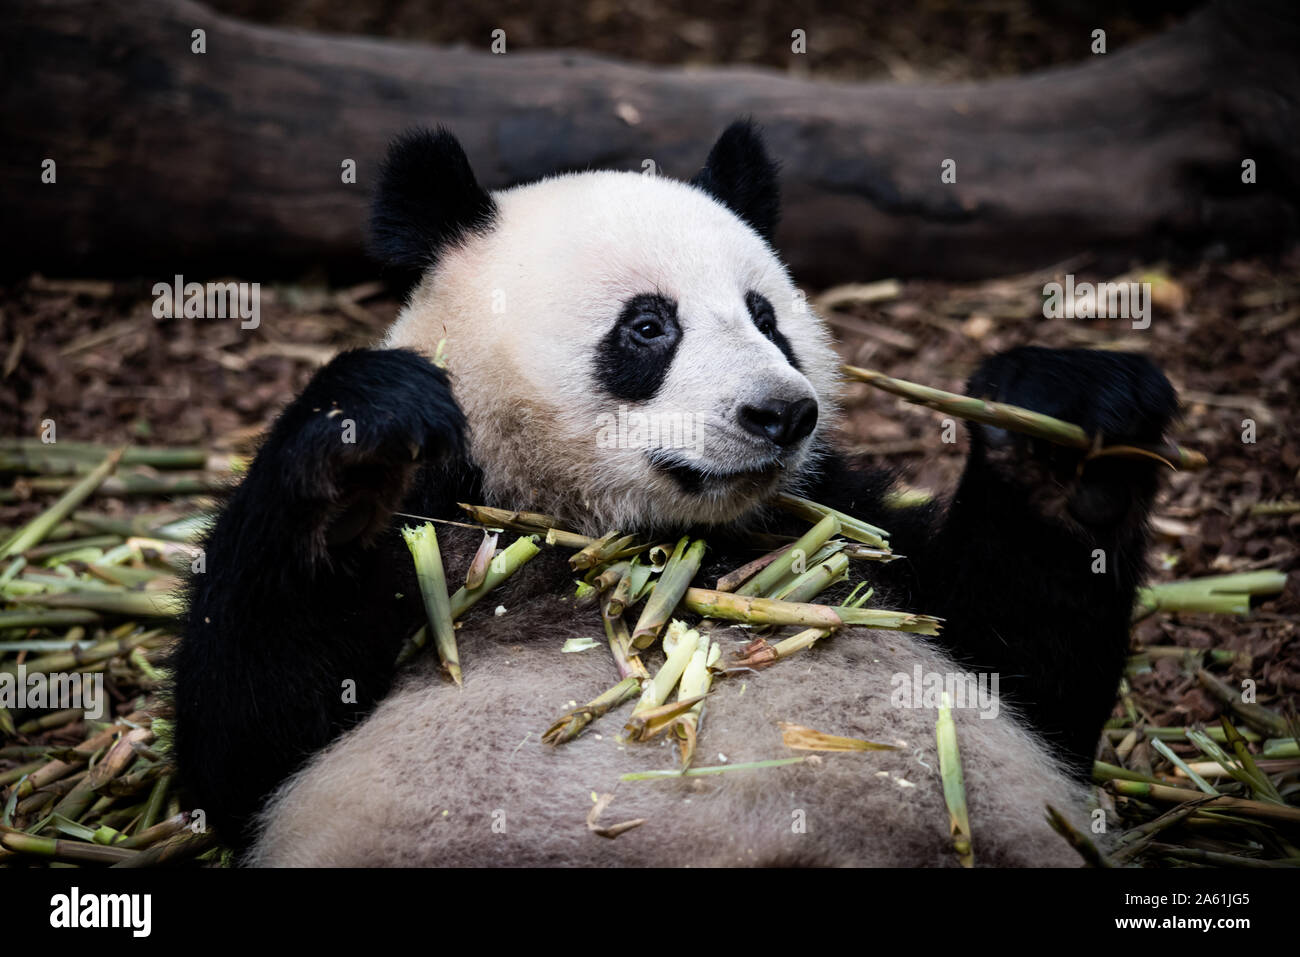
784,423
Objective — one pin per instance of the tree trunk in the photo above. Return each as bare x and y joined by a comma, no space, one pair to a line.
230,161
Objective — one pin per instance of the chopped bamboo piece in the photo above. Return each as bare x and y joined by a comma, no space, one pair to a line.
679,652
423,543
515,556
694,687
797,557
1078,840
674,581
570,725
954,787
1220,594
734,579
1262,785
620,645
814,581
854,528
627,586
758,611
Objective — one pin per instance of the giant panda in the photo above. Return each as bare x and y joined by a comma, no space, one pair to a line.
555,303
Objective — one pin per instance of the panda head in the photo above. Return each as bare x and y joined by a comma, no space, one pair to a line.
628,349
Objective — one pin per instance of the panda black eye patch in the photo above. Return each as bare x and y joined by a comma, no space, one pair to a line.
633,358
764,316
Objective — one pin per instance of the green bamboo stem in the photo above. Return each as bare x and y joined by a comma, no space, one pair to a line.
954,786
423,544
814,581
674,581
1016,419
77,492
1164,794
515,556
851,527
46,618
1257,716
91,452
712,769
766,580
57,849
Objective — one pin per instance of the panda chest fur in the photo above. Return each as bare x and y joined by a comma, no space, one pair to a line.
457,776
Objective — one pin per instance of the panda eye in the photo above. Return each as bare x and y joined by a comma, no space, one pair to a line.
648,328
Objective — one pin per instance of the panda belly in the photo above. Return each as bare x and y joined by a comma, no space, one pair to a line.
460,777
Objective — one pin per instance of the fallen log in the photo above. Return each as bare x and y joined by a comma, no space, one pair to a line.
230,160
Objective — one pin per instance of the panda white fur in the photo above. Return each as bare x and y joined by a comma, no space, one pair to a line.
558,302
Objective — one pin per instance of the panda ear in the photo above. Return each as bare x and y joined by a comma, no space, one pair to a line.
427,199
741,175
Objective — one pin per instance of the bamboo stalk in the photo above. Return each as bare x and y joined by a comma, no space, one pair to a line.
36,530
1255,715
57,849
74,659
159,604
1165,794
157,832
92,452
46,618
1016,419
598,552
1263,785
758,611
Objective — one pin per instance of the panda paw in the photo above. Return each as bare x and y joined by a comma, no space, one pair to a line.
344,452
1122,397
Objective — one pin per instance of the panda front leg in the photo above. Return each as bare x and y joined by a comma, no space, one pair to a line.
1037,561
293,626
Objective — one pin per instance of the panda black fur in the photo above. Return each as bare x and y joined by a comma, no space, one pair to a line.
620,288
